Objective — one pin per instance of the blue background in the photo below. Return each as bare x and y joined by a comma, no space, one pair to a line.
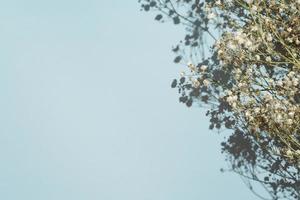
87,112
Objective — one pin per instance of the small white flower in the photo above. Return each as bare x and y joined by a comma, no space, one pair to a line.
291,114
249,70
203,67
269,37
277,105
207,9
247,113
291,74
268,97
229,92
196,83
220,52
234,97
229,99
191,66
271,81
254,9
211,15
256,110
248,43
233,105
290,40
206,82
238,71
289,153
231,46
288,83
278,118
254,28
295,81
289,121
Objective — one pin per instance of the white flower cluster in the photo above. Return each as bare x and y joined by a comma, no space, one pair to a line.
263,55
195,75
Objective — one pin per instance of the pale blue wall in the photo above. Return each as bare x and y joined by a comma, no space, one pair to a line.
87,112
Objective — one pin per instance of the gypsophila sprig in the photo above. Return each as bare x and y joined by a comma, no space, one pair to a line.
249,81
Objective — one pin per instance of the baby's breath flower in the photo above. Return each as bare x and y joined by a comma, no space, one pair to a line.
289,121
269,37
206,82
268,59
289,153
253,9
211,15
195,83
203,67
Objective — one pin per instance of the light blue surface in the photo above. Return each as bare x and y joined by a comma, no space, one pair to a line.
87,112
